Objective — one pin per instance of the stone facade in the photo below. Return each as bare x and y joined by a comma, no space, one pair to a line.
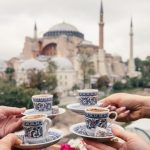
64,40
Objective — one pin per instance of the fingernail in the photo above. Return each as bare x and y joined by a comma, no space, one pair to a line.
122,108
126,112
19,141
112,108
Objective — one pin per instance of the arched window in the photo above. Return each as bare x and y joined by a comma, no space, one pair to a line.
49,49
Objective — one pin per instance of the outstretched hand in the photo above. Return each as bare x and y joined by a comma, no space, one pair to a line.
9,119
128,106
129,141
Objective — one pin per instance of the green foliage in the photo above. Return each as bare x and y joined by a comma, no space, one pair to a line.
75,87
55,99
9,73
41,80
118,86
44,81
11,95
138,82
103,82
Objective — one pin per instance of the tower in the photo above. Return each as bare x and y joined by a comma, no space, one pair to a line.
101,28
35,31
131,63
101,64
35,45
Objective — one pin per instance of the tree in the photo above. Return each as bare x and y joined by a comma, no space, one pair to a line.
103,82
10,73
11,95
138,64
86,66
118,86
43,80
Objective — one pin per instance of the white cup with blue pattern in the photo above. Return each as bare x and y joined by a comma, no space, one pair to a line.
98,117
36,128
43,103
88,97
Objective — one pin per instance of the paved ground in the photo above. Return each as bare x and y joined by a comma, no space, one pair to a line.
68,100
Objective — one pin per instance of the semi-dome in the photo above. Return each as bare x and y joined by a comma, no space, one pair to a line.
63,29
31,64
62,63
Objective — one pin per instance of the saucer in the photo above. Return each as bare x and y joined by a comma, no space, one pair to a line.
32,111
80,130
54,135
77,108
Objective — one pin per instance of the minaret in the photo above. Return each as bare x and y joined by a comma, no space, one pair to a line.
35,42
131,63
101,64
101,28
35,31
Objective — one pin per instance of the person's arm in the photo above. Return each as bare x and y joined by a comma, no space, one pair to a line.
128,106
146,107
9,141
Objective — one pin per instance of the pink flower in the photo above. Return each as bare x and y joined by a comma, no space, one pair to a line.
66,147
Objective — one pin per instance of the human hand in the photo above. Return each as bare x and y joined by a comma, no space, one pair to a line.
130,141
9,141
129,107
9,120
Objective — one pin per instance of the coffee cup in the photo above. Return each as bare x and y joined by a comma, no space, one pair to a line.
98,117
36,128
43,102
88,97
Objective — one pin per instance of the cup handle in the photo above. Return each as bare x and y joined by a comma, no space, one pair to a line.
48,123
113,116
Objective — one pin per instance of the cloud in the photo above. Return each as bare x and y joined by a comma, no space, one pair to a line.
17,20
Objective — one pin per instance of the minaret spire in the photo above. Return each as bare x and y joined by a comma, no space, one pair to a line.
101,27
131,40
131,63
35,31
101,8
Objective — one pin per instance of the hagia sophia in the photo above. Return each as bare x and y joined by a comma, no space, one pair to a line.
64,43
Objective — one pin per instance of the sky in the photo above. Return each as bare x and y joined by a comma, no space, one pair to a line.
17,18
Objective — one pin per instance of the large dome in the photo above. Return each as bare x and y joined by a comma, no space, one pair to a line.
62,63
63,29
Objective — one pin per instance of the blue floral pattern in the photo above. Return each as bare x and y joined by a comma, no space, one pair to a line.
88,100
81,130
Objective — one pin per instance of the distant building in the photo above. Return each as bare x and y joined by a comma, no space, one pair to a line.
63,43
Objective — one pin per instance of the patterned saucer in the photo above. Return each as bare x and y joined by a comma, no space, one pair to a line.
54,135
32,111
80,130
77,108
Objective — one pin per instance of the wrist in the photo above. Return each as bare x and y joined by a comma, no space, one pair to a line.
146,107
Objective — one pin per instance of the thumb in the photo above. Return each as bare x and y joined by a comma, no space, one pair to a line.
121,133
11,140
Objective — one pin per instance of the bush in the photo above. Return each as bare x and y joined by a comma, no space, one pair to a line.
118,86
11,95
103,82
